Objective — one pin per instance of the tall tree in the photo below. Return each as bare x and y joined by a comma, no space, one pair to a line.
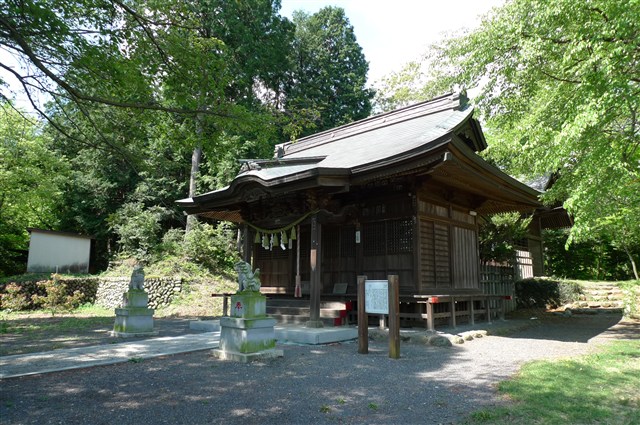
560,85
31,181
327,85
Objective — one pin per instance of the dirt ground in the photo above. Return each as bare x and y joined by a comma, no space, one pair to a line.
326,384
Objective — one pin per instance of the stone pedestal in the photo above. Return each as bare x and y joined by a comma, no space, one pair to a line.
248,334
134,318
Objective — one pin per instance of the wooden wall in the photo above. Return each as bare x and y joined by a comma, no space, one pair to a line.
447,250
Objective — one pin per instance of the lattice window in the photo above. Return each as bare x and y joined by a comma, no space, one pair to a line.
330,242
373,238
348,241
400,236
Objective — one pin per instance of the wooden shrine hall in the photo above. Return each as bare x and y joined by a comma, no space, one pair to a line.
398,193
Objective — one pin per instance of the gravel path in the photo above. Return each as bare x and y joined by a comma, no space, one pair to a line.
310,385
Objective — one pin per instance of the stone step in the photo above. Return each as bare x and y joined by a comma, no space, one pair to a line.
595,310
302,303
599,304
294,319
303,311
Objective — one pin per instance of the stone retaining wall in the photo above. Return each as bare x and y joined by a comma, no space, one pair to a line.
161,290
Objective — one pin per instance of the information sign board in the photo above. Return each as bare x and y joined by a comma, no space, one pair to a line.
376,298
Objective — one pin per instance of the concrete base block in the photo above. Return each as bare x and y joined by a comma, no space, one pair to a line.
247,335
247,357
315,336
205,325
133,321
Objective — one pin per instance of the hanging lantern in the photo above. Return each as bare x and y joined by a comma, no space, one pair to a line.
293,233
257,238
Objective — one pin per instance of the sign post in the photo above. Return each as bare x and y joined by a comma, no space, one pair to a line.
379,297
363,319
394,317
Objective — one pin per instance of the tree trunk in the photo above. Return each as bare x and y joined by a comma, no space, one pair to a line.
196,156
633,264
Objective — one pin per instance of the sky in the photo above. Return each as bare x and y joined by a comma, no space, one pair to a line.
394,32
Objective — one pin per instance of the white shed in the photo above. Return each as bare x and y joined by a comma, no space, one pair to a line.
52,251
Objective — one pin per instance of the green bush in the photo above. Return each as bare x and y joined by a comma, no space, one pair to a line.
57,297
13,299
138,228
545,292
19,294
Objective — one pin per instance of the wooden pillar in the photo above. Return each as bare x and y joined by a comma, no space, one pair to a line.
453,312
246,244
315,283
363,319
430,318
472,311
394,317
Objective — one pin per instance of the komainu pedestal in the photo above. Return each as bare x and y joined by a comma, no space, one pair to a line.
248,333
134,318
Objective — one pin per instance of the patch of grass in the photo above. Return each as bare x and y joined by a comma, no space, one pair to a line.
28,324
325,409
373,406
598,388
136,360
341,401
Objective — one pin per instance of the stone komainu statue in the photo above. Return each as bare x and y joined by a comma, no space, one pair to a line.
247,280
137,278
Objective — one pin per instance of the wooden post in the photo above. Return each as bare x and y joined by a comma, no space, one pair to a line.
246,244
225,305
363,319
430,321
472,311
315,284
297,292
488,301
394,317
453,312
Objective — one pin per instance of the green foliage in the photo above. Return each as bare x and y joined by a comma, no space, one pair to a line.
138,229
595,260
212,246
55,292
57,297
631,291
31,178
498,235
327,88
559,83
545,292
13,299
597,388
